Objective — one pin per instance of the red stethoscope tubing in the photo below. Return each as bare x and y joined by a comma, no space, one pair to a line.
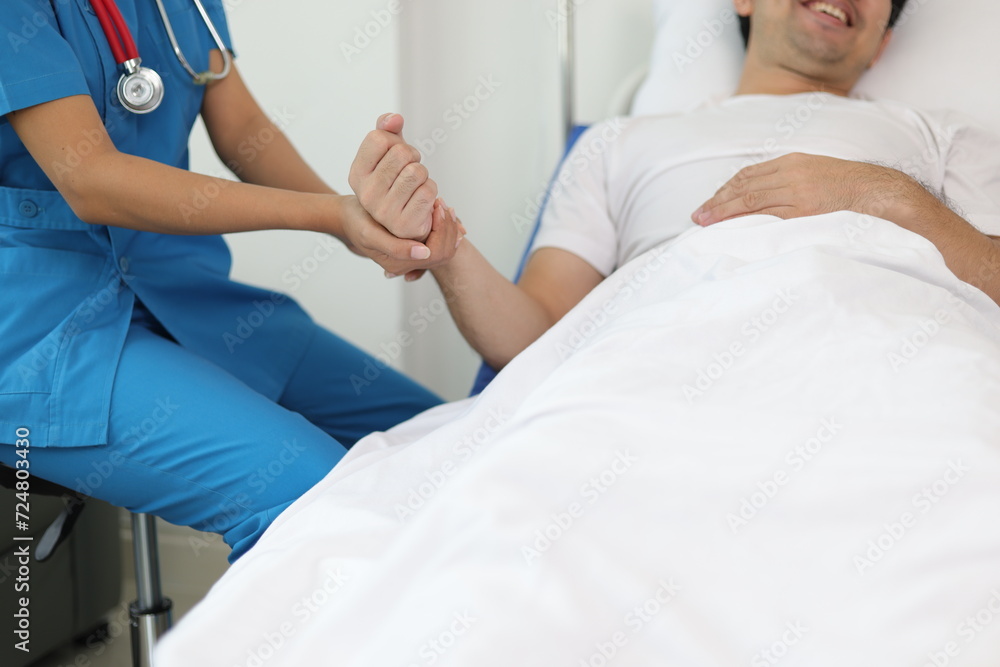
116,30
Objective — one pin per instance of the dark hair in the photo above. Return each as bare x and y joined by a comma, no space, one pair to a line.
897,9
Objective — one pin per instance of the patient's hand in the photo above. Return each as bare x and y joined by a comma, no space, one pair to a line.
366,237
391,183
396,191
799,185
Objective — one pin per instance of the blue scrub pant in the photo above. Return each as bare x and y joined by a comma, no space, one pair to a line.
194,445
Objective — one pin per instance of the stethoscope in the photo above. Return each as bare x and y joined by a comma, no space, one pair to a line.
140,89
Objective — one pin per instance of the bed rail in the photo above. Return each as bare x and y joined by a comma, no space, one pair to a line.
567,62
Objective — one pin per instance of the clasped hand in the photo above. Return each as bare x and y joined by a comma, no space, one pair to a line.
396,218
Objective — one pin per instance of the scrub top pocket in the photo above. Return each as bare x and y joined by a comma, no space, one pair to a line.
81,306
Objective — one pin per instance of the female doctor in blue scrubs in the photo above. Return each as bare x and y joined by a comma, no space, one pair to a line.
144,376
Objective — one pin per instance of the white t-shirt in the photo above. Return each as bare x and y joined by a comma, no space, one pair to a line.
630,184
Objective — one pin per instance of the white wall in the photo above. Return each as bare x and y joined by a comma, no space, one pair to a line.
429,58
501,154
289,54
501,157
614,39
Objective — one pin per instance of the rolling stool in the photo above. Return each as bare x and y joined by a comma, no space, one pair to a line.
150,613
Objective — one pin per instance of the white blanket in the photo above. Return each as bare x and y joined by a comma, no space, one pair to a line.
768,442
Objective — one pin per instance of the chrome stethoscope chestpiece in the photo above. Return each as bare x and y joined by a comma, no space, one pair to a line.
140,89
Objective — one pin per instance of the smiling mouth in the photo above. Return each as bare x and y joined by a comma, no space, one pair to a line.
829,10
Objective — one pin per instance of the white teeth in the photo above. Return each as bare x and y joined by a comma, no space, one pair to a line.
826,8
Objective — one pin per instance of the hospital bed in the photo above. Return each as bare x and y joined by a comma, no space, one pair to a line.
815,505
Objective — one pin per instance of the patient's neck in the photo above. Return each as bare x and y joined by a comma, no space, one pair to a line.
760,79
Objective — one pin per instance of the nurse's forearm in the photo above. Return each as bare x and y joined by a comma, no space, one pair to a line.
68,140
122,190
102,185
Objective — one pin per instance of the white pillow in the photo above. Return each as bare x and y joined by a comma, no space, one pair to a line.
944,54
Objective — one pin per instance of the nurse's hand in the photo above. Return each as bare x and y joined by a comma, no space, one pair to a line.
391,183
442,219
364,236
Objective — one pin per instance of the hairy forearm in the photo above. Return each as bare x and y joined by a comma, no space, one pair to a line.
122,190
971,255
496,317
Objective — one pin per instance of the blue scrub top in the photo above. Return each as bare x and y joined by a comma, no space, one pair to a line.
68,288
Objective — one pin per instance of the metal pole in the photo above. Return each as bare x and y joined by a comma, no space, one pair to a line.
567,64
150,613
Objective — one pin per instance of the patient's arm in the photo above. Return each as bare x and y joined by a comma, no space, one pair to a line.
497,317
799,185
970,254
500,319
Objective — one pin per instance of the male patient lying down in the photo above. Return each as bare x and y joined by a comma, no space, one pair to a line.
771,441
790,143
